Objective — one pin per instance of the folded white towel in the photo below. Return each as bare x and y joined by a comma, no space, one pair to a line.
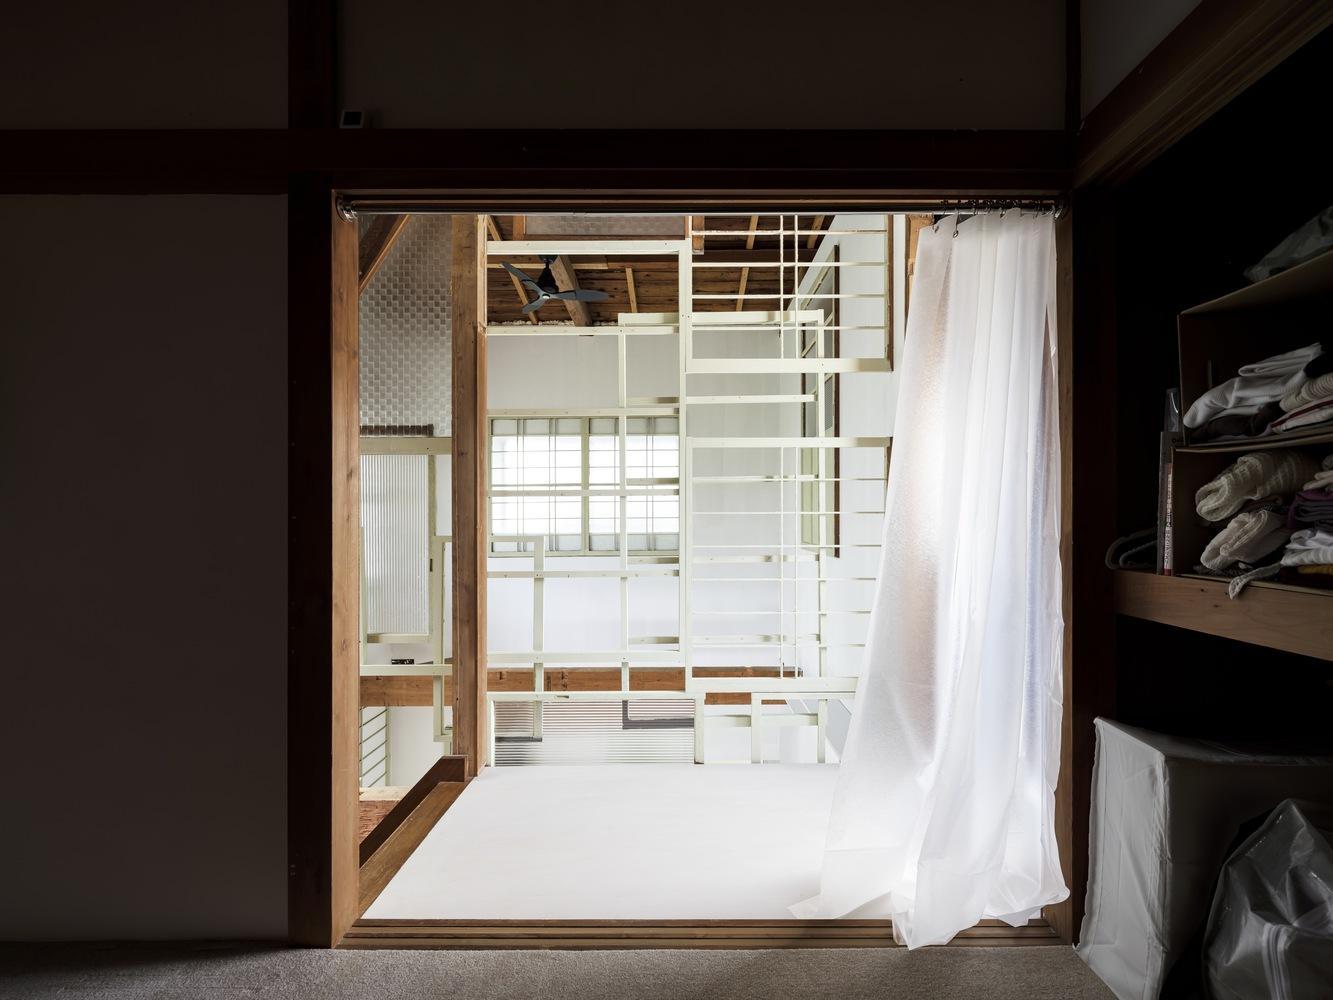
1247,538
1254,385
1318,412
1258,474
1309,547
1321,481
1307,392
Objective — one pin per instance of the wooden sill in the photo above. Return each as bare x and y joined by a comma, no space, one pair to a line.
1293,619
609,934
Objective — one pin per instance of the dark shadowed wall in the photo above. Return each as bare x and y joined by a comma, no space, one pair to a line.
143,526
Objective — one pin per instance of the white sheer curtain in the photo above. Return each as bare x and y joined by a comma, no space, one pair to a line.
944,811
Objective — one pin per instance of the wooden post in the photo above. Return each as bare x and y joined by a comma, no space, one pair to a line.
324,607
468,287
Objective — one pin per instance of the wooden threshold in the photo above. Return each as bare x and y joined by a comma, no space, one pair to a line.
1293,619
658,934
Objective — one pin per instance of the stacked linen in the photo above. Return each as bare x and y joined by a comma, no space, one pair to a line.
1253,496
1312,401
1254,476
1252,403
1309,551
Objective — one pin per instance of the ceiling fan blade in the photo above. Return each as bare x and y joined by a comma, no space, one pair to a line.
528,283
582,295
534,305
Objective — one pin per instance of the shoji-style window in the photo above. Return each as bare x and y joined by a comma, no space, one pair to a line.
560,477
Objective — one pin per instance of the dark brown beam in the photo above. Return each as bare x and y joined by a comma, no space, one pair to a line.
527,170
1220,48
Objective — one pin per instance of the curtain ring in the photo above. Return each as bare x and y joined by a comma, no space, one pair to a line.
955,225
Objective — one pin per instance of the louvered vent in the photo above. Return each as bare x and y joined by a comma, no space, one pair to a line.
595,732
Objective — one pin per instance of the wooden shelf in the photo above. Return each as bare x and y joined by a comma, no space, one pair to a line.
1294,619
1304,437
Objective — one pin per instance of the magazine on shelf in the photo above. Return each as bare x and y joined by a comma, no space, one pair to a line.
1166,444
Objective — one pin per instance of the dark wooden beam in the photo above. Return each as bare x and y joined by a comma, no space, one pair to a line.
1220,48
1092,513
529,171
375,245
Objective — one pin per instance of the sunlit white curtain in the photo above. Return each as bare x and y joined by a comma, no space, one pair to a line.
944,811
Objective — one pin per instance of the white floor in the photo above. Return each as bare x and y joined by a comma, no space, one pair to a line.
626,841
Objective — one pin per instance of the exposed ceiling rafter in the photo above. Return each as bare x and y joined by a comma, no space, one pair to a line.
375,245
494,229
745,271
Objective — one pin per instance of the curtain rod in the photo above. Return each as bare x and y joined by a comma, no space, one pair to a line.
351,206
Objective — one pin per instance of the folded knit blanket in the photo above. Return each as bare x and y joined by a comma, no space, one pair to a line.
1247,538
1318,412
1315,388
1255,384
1309,547
1252,476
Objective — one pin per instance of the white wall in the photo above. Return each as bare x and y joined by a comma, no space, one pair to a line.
143,367
1117,35
957,64
412,746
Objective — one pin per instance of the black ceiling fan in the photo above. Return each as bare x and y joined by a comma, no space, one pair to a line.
546,289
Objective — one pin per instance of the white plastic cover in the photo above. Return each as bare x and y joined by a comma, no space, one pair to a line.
1270,933
1164,812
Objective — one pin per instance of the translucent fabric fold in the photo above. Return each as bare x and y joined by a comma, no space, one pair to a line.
944,810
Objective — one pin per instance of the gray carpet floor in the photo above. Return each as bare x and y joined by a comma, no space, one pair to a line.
231,972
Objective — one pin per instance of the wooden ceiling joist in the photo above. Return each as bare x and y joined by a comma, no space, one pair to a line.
745,271
629,287
817,225
568,281
375,245
493,228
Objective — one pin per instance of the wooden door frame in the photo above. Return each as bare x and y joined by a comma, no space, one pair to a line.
323,909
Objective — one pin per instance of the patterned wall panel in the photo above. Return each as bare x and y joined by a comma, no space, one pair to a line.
406,342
